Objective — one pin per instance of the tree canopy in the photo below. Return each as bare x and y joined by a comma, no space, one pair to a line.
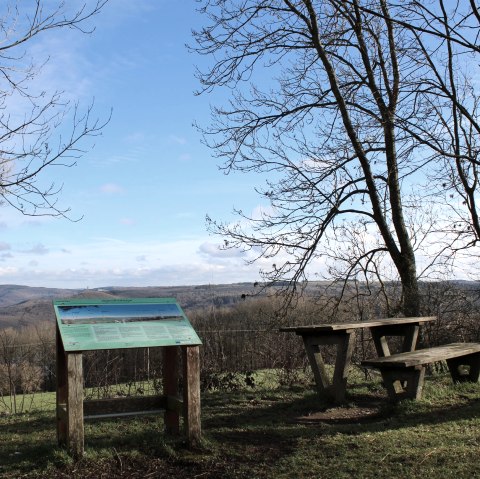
365,115
33,124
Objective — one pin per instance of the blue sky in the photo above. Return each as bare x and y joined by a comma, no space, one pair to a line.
144,189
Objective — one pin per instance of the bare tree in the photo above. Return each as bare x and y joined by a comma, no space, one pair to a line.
324,125
445,45
32,123
447,36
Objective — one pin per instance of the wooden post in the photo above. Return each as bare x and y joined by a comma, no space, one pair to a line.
191,394
75,437
170,388
69,399
61,391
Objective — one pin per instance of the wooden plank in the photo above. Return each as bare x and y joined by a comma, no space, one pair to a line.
411,337
381,344
123,414
360,324
191,394
424,356
75,434
119,406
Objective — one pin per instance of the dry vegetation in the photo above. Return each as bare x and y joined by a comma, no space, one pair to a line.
260,415
237,339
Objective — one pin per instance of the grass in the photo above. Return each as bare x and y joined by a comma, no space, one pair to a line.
270,432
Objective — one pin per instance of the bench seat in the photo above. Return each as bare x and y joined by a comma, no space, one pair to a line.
403,374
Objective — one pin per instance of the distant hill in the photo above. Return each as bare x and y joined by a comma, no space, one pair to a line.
11,294
23,305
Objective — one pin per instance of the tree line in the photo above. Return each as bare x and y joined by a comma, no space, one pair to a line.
237,341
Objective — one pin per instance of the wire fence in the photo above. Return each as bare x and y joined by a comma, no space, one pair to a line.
230,359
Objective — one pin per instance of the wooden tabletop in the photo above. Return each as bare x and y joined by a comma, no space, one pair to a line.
319,328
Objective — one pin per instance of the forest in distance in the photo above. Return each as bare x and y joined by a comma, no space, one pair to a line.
22,306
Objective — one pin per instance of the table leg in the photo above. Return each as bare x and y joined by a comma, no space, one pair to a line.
409,332
334,388
404,383
472,364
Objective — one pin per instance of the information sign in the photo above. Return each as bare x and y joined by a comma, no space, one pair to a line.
87,325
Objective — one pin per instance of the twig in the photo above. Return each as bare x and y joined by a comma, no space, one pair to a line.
119,459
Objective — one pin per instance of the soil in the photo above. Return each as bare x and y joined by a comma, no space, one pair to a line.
358,413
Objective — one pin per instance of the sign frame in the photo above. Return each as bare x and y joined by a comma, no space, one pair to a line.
98,324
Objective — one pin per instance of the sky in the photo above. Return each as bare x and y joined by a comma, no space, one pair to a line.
142,193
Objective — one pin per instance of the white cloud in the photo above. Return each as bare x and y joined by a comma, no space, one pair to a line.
109,261
179,140
111,189
66,68
38,249
262,211
4,246
127,221
214,250
135,137
6,256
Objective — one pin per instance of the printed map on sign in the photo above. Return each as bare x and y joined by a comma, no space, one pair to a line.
128,323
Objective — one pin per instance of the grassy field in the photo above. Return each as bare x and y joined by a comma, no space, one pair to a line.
269,432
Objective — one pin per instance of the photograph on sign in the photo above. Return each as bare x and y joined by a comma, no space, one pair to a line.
108,313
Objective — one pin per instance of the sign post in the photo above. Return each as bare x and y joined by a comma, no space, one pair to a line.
89,325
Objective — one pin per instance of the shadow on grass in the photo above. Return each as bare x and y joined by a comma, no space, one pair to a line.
245,431
289,419
28,442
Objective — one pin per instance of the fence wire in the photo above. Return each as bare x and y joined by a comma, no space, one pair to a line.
230,359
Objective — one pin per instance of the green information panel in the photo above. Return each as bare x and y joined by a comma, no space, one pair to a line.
87,325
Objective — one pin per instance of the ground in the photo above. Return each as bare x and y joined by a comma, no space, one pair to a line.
283,432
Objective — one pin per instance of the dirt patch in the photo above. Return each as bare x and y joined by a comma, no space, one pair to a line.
345,414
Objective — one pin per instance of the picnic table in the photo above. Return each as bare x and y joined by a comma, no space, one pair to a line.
342,335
